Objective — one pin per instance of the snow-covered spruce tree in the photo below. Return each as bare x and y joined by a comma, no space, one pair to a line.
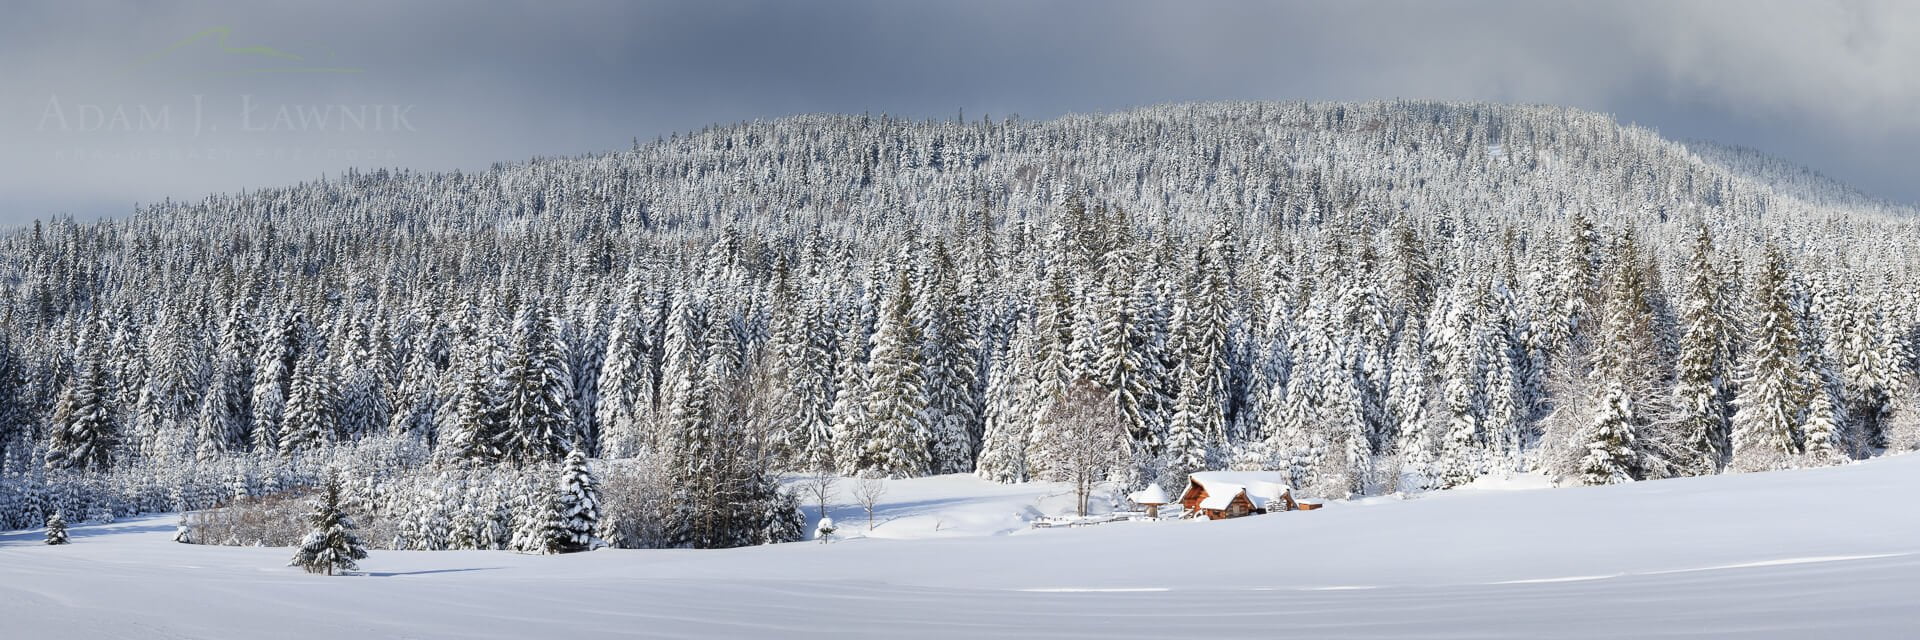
895,438
1196,431
848,413
1872,356
541,525
783,521
1190,445
312,416
1348,459
626,379
1768,410
274,368
1003,446
1700,392
579,498
536,388
811,388
12,413
952,360
418,398
1825,430
1050,366
1364,310
1293,407
220,415
1120,367
366,369
1624,356
85,432
1409,399
470,426
1577,289
1903,423
56,529
1506,415
778,401
1456,352
330,544
223,421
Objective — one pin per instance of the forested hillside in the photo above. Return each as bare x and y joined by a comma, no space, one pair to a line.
1368,297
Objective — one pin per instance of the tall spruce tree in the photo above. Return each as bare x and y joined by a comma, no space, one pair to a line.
1700,394
536,388
895,439
85,432
1768,411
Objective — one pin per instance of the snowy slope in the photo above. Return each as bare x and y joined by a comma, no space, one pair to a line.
1831,552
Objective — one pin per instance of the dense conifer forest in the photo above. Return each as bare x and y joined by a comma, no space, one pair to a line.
1367,298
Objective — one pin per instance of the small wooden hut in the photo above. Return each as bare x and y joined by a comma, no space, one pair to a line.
1228,494
1151,498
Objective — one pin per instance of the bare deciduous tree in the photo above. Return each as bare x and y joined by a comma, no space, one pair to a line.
868,490
1086,441
819,486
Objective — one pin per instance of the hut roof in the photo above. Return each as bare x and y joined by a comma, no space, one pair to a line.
1150,495
1258,484
1222,497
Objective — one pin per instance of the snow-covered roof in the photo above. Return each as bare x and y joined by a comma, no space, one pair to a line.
1222,498
1221,486
1150,495
1260,485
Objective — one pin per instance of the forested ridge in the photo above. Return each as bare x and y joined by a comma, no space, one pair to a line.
1365,297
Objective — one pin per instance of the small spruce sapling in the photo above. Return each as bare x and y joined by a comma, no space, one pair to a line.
183,532
56,529
330,544
824,531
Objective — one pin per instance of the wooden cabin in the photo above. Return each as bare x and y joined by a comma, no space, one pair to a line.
1228,494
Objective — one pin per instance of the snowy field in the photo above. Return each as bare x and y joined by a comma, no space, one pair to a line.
1831,552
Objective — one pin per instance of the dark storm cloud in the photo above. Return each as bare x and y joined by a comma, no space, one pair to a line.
292,92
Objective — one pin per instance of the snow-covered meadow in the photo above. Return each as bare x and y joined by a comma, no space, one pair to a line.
1828,552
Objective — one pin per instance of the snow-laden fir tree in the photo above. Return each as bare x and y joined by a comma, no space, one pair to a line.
848,413
56,529
1003,446
85,432
1825,430
579,498
1700,391
536,391
274,371
1769,408
951,360
1120,366
895,439
1461,370
626,381
685,405
1623,376
1191,446
330,544
1871,353
312,416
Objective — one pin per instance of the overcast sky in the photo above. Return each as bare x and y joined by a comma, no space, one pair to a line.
106,104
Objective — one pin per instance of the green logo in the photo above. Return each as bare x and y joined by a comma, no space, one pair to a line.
253,60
